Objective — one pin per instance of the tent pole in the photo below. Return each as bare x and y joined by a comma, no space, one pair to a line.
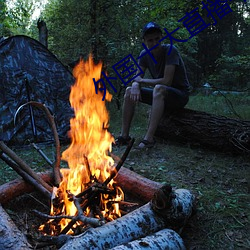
33,125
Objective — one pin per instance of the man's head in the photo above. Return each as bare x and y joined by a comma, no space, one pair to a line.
151,34
150,28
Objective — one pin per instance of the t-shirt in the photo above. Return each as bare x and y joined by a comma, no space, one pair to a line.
180,80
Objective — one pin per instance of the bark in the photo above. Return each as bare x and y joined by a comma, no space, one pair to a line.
163,239
150,218
212,131
10,237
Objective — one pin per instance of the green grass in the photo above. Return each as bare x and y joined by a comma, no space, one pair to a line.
234,106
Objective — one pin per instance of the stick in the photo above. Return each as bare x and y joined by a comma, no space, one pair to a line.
120,163
33,124
23,165
26,176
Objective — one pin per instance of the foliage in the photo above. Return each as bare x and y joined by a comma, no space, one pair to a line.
111,30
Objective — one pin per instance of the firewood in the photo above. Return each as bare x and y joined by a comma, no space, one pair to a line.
150,218
132,183
136,185
10,237
163,239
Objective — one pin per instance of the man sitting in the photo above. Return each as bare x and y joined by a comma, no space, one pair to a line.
168,89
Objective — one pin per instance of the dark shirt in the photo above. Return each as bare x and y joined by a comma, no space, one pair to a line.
180,80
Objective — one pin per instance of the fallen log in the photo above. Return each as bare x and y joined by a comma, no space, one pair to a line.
10,237
148,219
212,131
163,239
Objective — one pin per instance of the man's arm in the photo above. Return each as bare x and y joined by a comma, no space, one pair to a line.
166,80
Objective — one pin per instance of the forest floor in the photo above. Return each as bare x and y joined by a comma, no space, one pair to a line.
219,180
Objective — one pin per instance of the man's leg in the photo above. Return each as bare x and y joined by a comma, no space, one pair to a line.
128,110
156,112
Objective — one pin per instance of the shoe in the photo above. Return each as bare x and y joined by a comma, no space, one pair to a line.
146,144
121,141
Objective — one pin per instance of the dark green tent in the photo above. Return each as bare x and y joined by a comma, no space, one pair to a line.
29,71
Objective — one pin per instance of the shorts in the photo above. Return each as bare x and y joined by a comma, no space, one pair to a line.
174,100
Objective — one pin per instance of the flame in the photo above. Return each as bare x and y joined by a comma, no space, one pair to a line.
88,155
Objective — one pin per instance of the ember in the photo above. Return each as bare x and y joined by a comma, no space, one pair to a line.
87,188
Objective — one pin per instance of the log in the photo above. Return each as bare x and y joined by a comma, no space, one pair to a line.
211,131
150,218
163,239
10,237
18,187
136,185
131,182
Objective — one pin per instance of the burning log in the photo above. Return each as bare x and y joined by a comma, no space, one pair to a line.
165,210
10,237
163,239
216,132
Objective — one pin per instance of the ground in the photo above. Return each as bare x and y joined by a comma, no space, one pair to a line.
219,180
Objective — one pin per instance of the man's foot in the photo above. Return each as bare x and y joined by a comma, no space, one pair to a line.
146,144
122,141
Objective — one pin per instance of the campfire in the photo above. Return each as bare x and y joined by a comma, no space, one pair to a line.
87,198
87,188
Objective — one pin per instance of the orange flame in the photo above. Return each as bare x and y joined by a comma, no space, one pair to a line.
90,139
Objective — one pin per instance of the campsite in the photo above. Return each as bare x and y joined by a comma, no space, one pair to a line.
66,183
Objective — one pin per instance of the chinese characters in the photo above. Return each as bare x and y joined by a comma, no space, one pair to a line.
128,69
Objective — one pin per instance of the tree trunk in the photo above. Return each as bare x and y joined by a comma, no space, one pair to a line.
212,131
43,32
10,237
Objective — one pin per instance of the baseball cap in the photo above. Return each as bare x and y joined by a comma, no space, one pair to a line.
149,26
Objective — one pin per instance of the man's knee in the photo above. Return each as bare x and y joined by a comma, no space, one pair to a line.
159,91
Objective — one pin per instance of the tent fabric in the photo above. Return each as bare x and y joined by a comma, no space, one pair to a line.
29,71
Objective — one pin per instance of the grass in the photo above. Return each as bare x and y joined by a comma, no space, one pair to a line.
219,180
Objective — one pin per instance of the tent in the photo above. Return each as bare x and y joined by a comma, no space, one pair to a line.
30,72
